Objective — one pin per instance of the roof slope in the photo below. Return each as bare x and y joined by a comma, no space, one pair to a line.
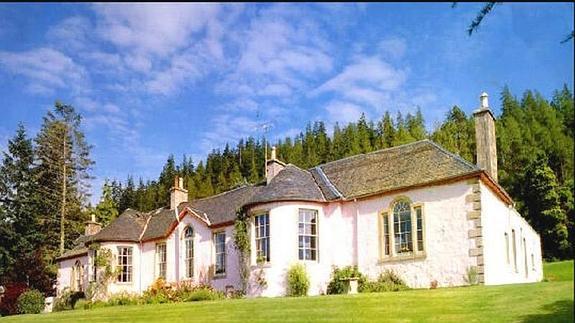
127,227
222,207
290,184
159,223
393,168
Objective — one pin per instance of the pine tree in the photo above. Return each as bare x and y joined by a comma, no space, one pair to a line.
64,165
106,211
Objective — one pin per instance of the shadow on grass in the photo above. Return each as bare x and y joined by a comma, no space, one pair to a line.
560,311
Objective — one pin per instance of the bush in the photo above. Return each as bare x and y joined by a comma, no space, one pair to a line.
338,285
67,300
123,299
297,281
201,293
387,281
9,304
31,302
471,275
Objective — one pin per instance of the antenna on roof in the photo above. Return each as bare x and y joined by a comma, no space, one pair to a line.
265,127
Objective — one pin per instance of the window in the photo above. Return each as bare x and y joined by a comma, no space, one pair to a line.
189,244
307,229
526,266
419,223
514,249
403,230
402,227
262,228
161,260
94,272
386,238
220,244
532,262
507,248
125,264
77,276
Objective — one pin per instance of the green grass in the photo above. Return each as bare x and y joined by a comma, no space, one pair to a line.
550,301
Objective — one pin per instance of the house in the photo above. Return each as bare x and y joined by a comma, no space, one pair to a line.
417,209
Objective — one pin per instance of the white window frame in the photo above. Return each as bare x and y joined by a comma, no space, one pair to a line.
388,250
302,248
189,250
262,240
216,253
161,257
127,269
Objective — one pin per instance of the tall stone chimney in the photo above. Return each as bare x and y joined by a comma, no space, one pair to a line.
177,193
92,227
485,139
273,166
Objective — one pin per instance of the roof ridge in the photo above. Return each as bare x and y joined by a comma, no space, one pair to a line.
376,151
222,193
455,156
145,228
328,183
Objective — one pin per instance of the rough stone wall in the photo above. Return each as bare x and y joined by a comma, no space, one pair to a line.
475,233
486,142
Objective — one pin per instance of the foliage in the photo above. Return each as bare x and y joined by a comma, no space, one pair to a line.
337,284
242,244
107,210
105,275
9,303
297,280
471,275
67,300
31,302
388,281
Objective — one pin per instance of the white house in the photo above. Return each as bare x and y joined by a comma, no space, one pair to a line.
417,209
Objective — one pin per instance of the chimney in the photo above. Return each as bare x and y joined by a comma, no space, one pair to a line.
485,139
92,227
273,166
177,193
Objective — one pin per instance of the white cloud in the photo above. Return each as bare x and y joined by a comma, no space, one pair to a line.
343,112
393,47
158,29
71,33
47,69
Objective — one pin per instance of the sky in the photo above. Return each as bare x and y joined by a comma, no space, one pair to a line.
157,79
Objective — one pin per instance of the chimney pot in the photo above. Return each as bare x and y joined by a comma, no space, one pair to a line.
274,153
273,166
484,101
92,227
177,193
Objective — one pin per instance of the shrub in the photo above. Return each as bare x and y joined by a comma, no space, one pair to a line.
31,302
297,281
202,293
337,284
67,300
387,281
471,275
123,298
9,304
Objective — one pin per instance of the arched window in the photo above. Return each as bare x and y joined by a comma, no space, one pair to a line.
402,227
77,276
189,242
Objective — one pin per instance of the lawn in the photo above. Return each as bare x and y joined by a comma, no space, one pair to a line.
549,301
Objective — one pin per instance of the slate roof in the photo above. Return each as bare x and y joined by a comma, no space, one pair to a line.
384,170
78,249
222,207
290,184
127,227
362,175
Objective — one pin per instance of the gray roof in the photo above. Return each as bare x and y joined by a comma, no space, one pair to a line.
79,249
381,171
290,184
389,169
127,227
222,207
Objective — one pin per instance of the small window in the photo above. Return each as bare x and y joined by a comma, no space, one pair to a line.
78,273
307,234
220,245
94,271
386,237
532,262
189,242
262,228
513,243
507,248
125,264
419,223
402,227
161,260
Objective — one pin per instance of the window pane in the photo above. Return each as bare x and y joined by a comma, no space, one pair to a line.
402,225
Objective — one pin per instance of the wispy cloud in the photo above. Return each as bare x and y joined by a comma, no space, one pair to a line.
46,70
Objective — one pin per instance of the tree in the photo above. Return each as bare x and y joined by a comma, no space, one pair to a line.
106,211
64,165
21,234
543,203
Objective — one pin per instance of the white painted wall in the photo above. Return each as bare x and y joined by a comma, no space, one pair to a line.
64,277
498,219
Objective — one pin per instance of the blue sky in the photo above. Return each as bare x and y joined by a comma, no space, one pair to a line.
151,80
